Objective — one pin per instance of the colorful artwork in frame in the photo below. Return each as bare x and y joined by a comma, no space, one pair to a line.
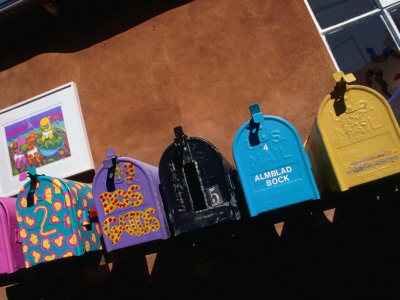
38,140
46,132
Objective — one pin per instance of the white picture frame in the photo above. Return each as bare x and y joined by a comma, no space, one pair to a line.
46,132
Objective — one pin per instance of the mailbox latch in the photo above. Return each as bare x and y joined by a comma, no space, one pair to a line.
110,163
181,143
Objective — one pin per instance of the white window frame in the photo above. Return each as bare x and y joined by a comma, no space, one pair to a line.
382,11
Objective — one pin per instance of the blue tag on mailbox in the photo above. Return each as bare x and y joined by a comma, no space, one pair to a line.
273,167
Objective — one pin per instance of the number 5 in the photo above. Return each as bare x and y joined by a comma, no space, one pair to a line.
215,196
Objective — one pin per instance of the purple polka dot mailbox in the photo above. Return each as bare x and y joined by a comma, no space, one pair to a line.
11,256
128,202
53,215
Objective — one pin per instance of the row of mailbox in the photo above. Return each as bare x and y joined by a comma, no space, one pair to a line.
355,139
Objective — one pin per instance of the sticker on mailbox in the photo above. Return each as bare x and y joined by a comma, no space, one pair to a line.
215,195
272,164
274,177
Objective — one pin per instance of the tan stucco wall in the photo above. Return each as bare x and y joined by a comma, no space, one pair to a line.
141,71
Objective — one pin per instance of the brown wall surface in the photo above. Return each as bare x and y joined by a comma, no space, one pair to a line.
142,69
145,67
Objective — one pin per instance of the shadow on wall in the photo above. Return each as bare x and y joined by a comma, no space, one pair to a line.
75,25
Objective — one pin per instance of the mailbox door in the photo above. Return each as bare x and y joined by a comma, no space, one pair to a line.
48,225
10,224
361,137
272,165
130,213
154,182
89,232
5,259
197,189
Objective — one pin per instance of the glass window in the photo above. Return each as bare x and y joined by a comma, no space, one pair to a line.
366,49
395,14
367,45
331,12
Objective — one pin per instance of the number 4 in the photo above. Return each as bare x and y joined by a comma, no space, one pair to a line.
265,147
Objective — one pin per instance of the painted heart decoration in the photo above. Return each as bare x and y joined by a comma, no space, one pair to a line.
31,222
50,257
59,241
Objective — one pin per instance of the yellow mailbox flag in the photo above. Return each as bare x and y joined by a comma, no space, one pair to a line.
355,137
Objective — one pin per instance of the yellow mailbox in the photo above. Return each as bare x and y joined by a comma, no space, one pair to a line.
355,137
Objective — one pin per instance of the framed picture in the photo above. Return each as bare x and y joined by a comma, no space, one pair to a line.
46,132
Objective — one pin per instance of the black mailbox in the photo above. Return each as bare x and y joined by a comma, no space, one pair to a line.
199,187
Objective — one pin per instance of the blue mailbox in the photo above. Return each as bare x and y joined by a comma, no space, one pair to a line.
273,167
